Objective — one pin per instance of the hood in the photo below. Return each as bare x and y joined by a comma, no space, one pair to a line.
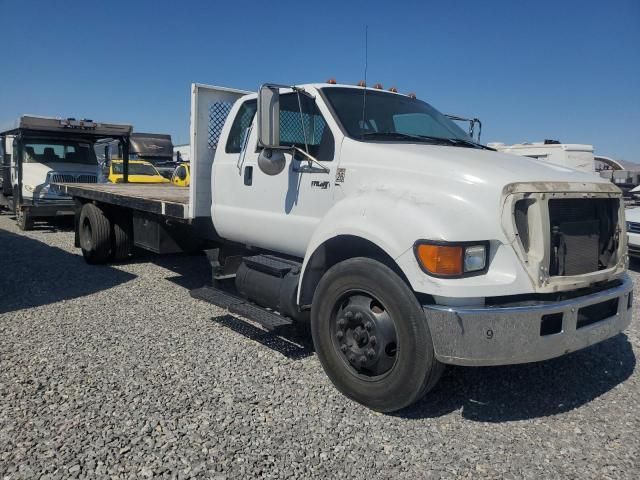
438,185
466,165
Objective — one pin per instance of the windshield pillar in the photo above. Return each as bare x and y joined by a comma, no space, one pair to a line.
125,159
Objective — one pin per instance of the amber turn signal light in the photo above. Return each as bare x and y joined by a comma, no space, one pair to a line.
441,260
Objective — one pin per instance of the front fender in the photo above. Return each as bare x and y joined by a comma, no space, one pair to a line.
390,219
393,219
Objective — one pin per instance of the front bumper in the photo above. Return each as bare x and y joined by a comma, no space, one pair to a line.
42,207
479,336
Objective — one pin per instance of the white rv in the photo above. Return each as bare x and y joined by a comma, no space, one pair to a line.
570,155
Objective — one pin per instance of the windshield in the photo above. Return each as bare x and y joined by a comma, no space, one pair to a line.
52,151
135,169
378,115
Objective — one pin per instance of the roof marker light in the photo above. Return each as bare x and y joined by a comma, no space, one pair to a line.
378,86
331,81
411,95
393,89
362,83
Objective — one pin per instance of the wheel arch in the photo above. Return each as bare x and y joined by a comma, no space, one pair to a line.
335,250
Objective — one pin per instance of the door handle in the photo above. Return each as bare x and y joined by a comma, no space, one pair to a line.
248,175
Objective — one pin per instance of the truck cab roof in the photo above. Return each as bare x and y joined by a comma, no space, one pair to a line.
318,86
83,127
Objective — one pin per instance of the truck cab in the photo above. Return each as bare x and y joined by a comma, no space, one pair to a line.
511,259
39,151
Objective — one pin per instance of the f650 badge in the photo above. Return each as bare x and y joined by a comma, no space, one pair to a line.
318,184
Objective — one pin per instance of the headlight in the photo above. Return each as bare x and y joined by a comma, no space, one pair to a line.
475,258
443,259
628,225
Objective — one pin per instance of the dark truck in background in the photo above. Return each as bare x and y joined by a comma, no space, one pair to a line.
155,148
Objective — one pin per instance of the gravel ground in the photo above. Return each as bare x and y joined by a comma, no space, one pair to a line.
115,372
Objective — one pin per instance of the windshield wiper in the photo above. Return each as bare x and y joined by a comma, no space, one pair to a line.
456,142
470,143
403,136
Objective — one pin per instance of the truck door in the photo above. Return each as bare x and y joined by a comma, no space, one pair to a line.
277,212
4,167
7,164
14,167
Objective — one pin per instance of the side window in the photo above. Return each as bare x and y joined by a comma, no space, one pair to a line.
294,127
243,120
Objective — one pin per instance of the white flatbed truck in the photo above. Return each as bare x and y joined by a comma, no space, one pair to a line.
370,217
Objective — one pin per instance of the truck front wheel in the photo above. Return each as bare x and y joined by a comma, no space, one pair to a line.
94,232
371,336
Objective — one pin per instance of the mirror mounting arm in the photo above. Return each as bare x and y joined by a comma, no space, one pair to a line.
311,159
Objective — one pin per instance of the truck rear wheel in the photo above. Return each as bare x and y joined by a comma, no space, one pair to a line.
371,336
94,230
122,237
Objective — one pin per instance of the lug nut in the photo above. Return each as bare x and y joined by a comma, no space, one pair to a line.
362,360
344,348
348,315
368,326
341,323
371,353
373,340
358,316
340,334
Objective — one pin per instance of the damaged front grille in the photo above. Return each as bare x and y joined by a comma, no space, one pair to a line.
583,235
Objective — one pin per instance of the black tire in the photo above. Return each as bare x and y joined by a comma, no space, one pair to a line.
122,240
23,219
94,231
399,372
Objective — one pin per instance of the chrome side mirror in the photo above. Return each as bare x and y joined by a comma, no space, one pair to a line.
269,116
271,162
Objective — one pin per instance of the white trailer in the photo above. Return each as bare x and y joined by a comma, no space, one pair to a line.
335,207
569,155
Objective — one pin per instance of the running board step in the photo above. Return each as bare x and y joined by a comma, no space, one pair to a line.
240,306
271,265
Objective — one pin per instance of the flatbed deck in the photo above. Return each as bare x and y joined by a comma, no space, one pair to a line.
162,199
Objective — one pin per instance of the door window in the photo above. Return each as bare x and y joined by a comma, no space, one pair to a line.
240,125
294,126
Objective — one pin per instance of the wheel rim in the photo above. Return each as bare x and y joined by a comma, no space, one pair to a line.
364,335
86,234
